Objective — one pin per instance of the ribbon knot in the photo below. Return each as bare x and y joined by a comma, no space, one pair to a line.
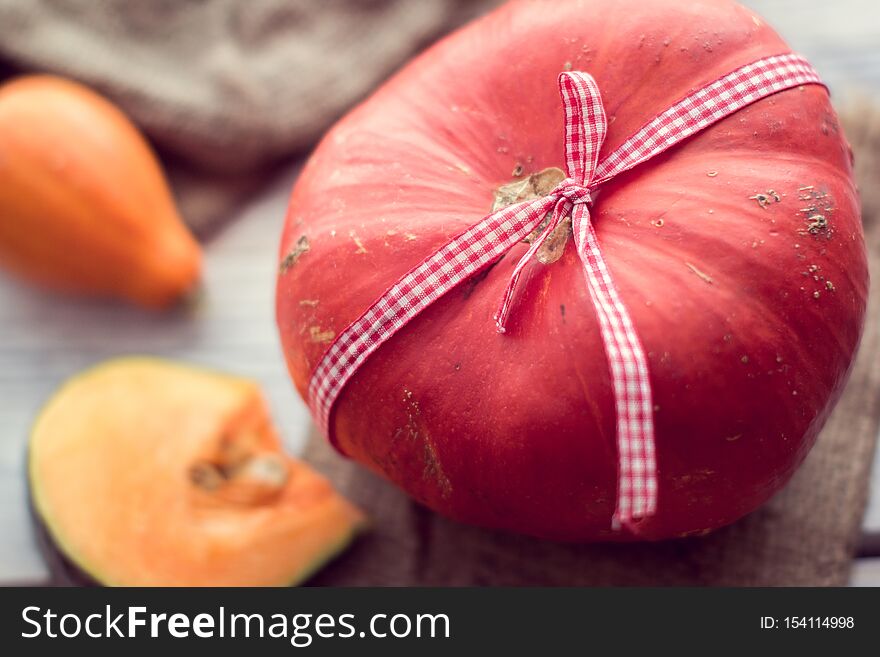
585,128
573,192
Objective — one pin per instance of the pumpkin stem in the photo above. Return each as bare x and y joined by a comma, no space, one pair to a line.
536,185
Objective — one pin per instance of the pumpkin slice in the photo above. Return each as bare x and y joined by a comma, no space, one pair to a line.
145,472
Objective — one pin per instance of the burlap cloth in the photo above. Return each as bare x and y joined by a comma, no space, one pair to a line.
226,88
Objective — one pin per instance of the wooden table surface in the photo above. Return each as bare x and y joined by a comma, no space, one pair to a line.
45,338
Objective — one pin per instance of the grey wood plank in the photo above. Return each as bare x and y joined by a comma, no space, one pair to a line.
871,523
841,38
866,572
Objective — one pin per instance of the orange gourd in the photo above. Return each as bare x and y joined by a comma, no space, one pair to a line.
84,204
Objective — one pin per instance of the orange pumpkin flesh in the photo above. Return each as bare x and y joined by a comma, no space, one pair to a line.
84,205
146,472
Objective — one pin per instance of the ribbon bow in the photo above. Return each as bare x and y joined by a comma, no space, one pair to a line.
489,239
585,129
571,192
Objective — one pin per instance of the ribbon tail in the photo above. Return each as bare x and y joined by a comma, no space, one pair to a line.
627,362
504,308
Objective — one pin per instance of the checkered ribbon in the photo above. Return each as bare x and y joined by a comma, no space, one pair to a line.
489,239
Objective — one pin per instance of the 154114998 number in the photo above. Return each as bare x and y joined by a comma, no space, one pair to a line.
808,622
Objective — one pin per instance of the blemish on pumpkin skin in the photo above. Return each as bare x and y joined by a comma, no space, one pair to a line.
317,335
357,241
817,212
460,167
433,469
765,199
830,124
816,223
702,275
301,247
545,287
695,533
696,477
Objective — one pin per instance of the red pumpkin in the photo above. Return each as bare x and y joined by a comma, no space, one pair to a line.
748,305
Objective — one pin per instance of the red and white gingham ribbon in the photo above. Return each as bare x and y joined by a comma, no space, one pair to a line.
490,238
